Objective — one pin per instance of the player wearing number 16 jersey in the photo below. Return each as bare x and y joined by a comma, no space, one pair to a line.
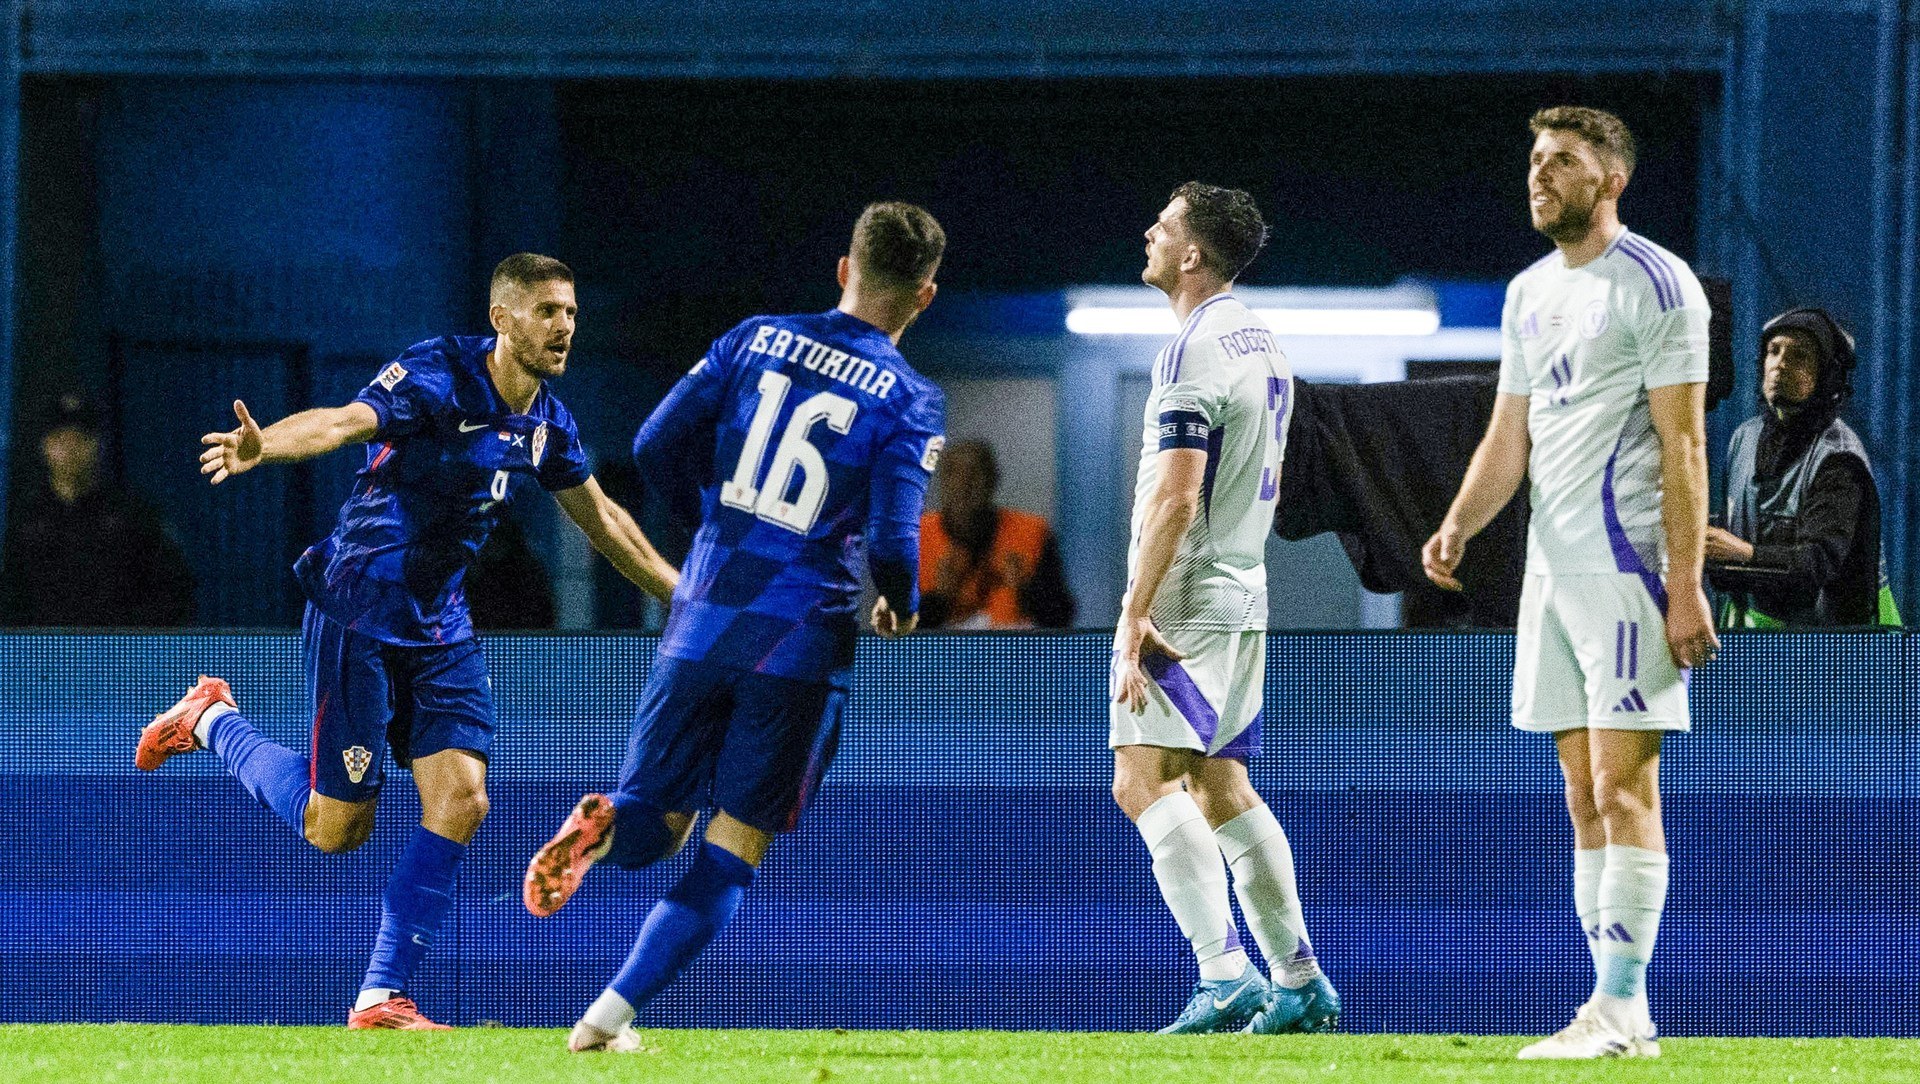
793,438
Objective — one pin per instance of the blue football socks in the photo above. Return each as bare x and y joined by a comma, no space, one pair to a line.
277,777
419,893
683,923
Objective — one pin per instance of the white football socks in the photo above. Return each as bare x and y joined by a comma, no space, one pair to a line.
1633,893
1186,865
609,1013
1588,865
372,996
1256,848
206,720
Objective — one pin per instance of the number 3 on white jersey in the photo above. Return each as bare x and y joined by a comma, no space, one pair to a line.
795,453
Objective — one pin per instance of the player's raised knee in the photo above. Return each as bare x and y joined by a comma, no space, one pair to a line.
339,838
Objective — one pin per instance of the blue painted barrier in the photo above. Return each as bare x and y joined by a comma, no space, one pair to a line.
963,865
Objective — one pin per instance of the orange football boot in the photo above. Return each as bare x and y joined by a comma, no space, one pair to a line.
394,1014
171,732
557,868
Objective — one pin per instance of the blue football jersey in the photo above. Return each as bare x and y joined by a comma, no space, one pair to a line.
437,469
793,439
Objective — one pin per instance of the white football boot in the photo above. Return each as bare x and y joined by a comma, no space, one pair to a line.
1591,1036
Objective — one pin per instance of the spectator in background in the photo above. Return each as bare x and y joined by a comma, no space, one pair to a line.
84,552
983,566
1801,545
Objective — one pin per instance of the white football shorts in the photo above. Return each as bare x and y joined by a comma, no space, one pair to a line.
1208,702
1591,651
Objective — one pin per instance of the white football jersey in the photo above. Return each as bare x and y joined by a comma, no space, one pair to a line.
1224,387
1584,345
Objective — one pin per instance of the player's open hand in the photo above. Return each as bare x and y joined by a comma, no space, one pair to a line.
236,451
888,624
1441,556
1690,635
1132,641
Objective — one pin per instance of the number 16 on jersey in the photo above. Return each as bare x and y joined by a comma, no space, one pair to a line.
795,454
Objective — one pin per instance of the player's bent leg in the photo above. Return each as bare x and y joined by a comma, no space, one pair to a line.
336,827
599,828
683,923
207,718
1192,879
1257,851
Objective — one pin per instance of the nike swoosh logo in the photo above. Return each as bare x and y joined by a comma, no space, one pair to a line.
419,940
1244,987
465,428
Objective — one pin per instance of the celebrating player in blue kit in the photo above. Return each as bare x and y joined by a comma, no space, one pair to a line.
791,438
390,651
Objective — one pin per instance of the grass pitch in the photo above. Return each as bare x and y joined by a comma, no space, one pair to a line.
156,1054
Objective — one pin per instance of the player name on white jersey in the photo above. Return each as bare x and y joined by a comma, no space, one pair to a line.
820,358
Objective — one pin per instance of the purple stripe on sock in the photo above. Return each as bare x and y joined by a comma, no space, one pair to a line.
1174,680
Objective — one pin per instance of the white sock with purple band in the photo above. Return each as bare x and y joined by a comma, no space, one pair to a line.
1633,893
1256,848
1588,865
1187,867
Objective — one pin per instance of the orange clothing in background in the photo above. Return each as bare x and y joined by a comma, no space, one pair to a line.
983,592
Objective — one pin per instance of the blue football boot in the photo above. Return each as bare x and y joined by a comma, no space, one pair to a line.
1313,1007
1225,1005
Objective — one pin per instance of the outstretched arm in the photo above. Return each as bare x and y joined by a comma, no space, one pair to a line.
614,533
1498,467
289,440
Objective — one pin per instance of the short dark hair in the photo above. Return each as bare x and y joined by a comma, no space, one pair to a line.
898,243
1225,223
525,270
1601,130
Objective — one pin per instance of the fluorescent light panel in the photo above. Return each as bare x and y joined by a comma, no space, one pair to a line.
1135,320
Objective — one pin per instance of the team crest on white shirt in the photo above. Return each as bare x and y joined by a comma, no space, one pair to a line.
1593,321
539,443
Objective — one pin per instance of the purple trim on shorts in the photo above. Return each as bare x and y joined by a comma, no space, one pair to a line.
1245,744
1174,680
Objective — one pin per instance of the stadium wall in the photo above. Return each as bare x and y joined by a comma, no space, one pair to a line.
964,867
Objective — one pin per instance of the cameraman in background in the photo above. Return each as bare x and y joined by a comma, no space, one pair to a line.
1801,545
